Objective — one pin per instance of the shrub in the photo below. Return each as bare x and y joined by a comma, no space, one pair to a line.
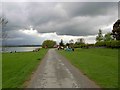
102,43
115,44
48,43
108,43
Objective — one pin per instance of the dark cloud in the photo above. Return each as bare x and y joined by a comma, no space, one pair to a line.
90,8
65,18
59,17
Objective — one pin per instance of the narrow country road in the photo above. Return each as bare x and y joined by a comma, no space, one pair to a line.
56,72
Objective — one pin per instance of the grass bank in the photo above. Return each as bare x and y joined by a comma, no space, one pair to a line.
0,70
100,65
17,67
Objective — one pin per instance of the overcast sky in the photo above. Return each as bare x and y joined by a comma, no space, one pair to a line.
57,20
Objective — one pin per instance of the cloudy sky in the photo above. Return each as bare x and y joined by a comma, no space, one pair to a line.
57,20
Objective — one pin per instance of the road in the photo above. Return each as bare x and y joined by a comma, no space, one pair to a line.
55,71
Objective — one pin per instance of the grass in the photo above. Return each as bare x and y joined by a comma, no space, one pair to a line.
0,71
100,65
17,67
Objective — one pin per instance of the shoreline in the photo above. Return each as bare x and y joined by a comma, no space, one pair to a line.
19,49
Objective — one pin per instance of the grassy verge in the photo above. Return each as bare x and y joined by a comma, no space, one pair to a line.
100,65
0,71
17,67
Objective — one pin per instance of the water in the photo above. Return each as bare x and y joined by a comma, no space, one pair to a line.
18,49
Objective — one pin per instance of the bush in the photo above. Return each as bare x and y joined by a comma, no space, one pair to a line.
48,43
100,44
115,44
77,46
108,43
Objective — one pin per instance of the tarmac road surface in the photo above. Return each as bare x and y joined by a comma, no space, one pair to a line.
55,71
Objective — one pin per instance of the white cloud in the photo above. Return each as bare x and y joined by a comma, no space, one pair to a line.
29,32
33,37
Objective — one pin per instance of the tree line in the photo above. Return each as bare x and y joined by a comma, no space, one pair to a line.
109,40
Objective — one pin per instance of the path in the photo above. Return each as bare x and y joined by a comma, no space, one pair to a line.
56,72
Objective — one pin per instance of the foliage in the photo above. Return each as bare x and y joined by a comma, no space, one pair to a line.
67,44
80,41
3,21
61,43
116,30
99,44
48,43
77,46
3,34
100,36
115,44
108,44
71,43
101,41
90,45
108,37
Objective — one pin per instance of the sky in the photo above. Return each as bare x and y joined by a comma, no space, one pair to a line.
33,22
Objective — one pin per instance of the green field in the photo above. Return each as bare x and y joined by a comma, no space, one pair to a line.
17,67
99,64
0,70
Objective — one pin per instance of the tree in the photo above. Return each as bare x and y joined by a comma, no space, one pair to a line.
116,30
3,23
71,43
61,43
100,36
67,44
3,34
48,43
80,41
108,37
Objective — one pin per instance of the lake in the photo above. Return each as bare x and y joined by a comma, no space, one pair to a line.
18,49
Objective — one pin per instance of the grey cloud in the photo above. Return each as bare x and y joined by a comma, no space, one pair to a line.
80,18
19,38
90,8
43,13
16,15
119,9
79,26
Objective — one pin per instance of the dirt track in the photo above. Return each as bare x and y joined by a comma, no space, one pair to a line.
56,72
